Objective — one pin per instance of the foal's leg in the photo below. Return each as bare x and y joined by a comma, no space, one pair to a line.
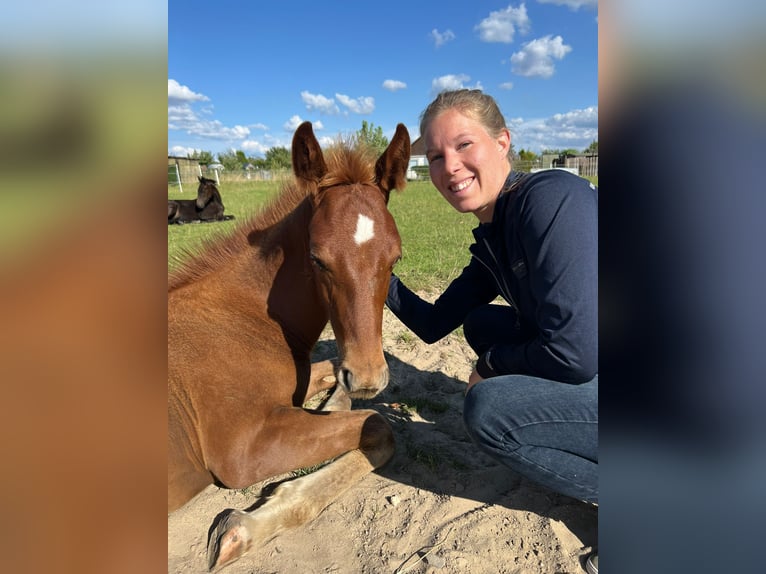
298,501
323,378
338,401
172,210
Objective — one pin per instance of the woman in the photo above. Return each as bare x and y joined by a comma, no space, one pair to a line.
531,401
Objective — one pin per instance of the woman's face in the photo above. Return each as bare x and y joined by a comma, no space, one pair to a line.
467,165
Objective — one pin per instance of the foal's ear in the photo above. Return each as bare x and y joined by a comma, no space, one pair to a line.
391,168
308,161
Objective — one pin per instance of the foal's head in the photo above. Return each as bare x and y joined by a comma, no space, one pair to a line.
206,192
353,245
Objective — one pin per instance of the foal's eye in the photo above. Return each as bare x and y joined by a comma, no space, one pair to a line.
318,262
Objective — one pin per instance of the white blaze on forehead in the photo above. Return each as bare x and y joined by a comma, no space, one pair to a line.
364,229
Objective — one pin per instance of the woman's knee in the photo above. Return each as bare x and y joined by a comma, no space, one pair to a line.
480,416
472,409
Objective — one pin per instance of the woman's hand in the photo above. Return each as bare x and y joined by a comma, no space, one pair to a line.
473,379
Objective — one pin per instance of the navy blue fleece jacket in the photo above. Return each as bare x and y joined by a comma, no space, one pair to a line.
540,254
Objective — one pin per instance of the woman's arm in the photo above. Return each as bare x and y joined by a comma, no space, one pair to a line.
433,321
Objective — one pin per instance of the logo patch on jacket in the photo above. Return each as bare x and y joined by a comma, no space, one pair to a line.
519,269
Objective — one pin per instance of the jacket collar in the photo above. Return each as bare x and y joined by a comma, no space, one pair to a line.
485,229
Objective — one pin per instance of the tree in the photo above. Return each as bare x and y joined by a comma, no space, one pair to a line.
527,155
258,162
279,158
230,160
373,137
202,156
592,148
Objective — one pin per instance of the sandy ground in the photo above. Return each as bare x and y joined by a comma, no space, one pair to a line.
439,506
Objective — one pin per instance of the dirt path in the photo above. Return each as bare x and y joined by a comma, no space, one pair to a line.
437,493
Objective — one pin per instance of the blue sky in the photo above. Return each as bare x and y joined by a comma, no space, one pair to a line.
243,75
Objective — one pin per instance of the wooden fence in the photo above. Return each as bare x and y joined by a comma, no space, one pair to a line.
583,165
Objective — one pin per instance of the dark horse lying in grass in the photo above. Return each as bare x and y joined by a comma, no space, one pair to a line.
207,207
243,317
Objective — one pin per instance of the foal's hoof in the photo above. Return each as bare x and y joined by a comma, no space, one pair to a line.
338,401
229,540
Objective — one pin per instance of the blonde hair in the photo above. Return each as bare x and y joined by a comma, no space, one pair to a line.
471,103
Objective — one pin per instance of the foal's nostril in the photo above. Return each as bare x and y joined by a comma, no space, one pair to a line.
384,379
345,378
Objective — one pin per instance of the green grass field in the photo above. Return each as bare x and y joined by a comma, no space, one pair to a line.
435,238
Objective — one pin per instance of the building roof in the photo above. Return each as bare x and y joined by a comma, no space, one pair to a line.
418,147
178,157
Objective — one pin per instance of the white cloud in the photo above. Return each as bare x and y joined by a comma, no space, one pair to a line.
441,38
184,118
216,130
254,147
452,82
506,86
182,151
394,85
574,129
573,4
587,117
319,103
501,26
181,116
178,94
263,144
292,124
362,105
536,57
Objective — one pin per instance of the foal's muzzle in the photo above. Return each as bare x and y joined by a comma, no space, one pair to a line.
362,385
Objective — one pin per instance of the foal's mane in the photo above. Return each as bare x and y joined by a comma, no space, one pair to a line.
348,162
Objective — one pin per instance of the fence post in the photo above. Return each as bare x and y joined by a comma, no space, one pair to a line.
178,176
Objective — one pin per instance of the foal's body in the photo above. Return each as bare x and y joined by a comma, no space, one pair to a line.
242,321
207,207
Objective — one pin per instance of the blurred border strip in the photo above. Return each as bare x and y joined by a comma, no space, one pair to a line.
83,262
682,276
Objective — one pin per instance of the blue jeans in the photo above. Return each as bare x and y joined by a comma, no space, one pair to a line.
545,430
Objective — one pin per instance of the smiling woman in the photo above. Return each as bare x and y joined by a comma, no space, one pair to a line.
535,247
